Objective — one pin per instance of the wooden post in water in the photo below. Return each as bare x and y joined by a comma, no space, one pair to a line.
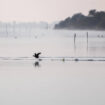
74,41
87,41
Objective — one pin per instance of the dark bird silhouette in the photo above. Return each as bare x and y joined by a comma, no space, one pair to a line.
36,55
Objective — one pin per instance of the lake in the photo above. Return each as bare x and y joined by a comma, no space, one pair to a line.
55,79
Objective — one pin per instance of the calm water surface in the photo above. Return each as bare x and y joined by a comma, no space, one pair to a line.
52,82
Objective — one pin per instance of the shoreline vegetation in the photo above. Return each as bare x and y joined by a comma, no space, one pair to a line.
95,20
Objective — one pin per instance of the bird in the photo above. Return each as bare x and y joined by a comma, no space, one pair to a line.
36,55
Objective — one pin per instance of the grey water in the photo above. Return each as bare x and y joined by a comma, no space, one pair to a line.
52,80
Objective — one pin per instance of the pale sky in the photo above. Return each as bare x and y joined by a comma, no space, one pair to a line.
45,10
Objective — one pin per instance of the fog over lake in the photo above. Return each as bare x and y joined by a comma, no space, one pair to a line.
57,78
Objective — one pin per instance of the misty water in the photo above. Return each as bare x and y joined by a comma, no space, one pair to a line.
54,79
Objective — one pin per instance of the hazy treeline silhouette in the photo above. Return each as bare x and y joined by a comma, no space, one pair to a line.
94,20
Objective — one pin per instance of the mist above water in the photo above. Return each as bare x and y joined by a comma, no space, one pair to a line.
21,40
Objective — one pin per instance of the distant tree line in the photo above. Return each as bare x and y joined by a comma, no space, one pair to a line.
94,20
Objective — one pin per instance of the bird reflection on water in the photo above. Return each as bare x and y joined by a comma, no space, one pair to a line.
36,64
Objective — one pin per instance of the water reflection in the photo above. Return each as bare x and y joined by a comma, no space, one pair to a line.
37,63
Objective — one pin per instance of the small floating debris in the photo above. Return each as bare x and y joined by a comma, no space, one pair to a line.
76,59
90,60
63,59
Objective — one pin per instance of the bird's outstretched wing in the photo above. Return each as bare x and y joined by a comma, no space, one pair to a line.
39,53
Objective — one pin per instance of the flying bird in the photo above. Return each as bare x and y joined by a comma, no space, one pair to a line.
36,55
